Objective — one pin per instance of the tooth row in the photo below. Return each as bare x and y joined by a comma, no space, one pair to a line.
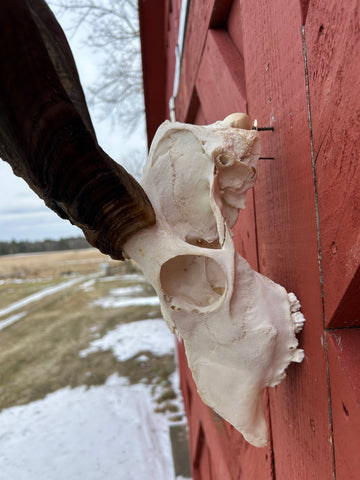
294,302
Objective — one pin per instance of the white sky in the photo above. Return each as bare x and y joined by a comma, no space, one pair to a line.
23,216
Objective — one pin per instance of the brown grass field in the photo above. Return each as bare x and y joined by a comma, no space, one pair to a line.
53,264
39,350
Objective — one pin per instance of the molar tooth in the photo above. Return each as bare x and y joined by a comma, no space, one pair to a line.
299,320
299,355
294,302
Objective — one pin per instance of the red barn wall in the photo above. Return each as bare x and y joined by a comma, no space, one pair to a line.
293,65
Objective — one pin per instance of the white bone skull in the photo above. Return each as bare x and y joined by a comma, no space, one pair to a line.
238,326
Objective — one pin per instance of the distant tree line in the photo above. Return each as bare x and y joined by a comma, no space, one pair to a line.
72,243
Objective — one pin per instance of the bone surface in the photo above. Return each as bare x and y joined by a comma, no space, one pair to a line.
238,326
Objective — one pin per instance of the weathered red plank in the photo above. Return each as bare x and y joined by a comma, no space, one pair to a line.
245,232
200,118
196,31
220,81
333,44
202,458
304,6
267,35
348,312
153,47
220,13
234,26
344,361
202,15
286,227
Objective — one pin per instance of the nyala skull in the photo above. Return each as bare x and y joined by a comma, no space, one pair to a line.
238,326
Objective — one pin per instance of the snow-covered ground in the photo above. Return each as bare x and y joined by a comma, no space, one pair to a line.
107,432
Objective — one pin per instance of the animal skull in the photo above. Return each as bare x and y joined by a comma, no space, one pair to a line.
238,326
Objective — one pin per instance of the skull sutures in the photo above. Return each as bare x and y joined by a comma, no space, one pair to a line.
238,326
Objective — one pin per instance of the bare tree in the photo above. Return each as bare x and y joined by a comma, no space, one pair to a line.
47,137
113,29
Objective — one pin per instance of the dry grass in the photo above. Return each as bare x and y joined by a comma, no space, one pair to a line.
53,264
39,354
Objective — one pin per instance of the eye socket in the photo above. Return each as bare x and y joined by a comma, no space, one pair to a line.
223,159
193,281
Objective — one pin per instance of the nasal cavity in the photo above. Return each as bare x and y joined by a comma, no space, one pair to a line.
192,281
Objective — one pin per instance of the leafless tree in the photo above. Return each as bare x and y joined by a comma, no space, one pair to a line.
47,137
113,29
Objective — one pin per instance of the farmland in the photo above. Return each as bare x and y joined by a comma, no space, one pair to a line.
77,319
39,353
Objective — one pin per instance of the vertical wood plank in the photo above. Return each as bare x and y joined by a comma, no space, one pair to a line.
333,45
197,26
245,237
154,62
304,5
203,14
266,48
200,118
286,228
347,313
344,362
220,82
234,26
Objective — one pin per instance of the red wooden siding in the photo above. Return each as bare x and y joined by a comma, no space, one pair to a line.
334,83
286,229
153,29
292,64
344,355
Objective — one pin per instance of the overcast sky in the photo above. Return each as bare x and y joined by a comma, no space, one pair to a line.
23,216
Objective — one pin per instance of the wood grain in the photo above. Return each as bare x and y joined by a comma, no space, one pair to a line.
153,32
203,14
220,82
344,361
286,228
258,64
333,43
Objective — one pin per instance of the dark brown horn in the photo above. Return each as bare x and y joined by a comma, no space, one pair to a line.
46,133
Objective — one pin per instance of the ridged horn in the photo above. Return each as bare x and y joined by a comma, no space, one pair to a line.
47,137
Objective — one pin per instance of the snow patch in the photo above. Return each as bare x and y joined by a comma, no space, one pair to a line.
39,295
104,432
113,302
129,339
12,319
127,291
128,277
88,285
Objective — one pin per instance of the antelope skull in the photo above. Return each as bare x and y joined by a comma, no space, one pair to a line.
238,326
